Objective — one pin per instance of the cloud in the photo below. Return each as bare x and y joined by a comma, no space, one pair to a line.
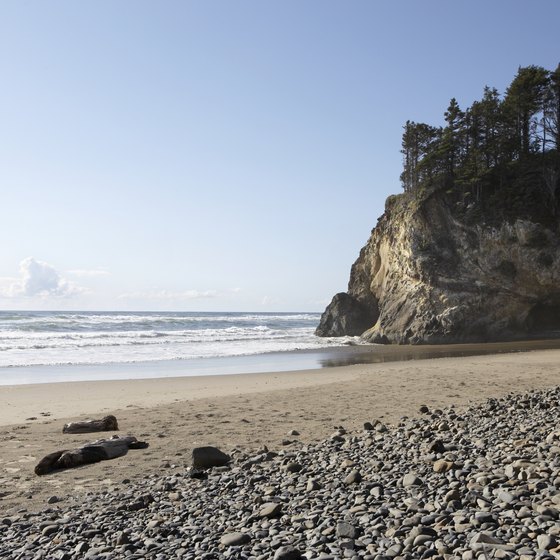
169,295
40,279
81,273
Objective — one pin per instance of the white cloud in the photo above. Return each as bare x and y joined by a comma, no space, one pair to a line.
39,279
166,295
82,273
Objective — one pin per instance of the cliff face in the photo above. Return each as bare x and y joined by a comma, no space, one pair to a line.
426,275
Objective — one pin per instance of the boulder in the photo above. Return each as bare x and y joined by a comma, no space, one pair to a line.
206,457
345,316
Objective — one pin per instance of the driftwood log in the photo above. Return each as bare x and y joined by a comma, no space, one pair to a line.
94,452
106,424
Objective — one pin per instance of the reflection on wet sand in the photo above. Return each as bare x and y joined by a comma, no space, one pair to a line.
373,354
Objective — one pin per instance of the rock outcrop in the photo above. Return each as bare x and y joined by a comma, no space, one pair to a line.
428,274
347,317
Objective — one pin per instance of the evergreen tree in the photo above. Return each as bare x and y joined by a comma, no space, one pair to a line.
524,99
451,140
417,145
551,117
490,120
490,149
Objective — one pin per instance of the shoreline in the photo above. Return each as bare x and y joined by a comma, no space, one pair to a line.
245,411
308,359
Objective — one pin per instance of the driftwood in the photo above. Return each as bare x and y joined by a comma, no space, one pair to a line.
94,452
106,424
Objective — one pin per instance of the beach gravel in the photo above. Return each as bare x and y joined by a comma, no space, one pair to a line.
478,483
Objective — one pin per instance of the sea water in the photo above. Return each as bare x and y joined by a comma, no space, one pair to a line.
48,347
40,338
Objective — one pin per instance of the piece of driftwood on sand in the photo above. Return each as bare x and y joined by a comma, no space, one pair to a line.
106,424
94,452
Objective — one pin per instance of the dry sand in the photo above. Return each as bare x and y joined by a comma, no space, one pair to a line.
247,411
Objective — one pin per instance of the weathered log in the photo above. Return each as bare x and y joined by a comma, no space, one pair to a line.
106,424
94,452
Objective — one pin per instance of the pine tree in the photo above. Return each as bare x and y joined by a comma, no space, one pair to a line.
524,99
451,141
551,119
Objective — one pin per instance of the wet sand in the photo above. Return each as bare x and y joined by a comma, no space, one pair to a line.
273,362
247,411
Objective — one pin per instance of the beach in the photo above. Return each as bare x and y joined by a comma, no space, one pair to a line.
245,411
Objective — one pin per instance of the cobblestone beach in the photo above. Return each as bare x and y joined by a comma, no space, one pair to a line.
478,482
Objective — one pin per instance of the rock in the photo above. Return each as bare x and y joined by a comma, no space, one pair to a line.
546,542
49,530
437,446
472,510
346,316
353,478
235,539
81,548
293,467
270,510
53,500
293,433
346,530
121,538
206,457
197,474
452,496
410,479
313,485
415,279
486,539
288,553
506,497
420,530
424,409
443,466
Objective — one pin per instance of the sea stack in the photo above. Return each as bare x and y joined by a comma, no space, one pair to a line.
470,252
436,272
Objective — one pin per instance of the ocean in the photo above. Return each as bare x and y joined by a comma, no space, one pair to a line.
48,347
40,338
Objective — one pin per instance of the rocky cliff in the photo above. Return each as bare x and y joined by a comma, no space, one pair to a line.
431,274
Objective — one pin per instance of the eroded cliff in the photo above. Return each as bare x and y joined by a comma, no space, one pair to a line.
429,274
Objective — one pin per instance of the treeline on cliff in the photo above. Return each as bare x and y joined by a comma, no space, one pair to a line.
498,158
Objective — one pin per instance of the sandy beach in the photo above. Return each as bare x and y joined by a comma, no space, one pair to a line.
246,411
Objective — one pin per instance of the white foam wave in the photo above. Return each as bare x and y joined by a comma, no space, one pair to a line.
66,338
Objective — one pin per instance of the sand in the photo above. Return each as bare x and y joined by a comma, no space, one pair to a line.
245,411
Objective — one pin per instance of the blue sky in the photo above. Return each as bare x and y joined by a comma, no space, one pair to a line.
219,155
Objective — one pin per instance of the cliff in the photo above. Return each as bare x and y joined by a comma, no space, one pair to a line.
436,271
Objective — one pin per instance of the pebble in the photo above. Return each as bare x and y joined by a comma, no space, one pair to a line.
450,484
235,539
287,553
270,510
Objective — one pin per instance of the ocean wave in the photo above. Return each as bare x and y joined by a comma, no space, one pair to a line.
129,338
41,338
116,355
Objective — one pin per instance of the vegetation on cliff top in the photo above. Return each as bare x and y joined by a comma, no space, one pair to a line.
497,159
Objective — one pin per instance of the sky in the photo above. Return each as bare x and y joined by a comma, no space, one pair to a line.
224,156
